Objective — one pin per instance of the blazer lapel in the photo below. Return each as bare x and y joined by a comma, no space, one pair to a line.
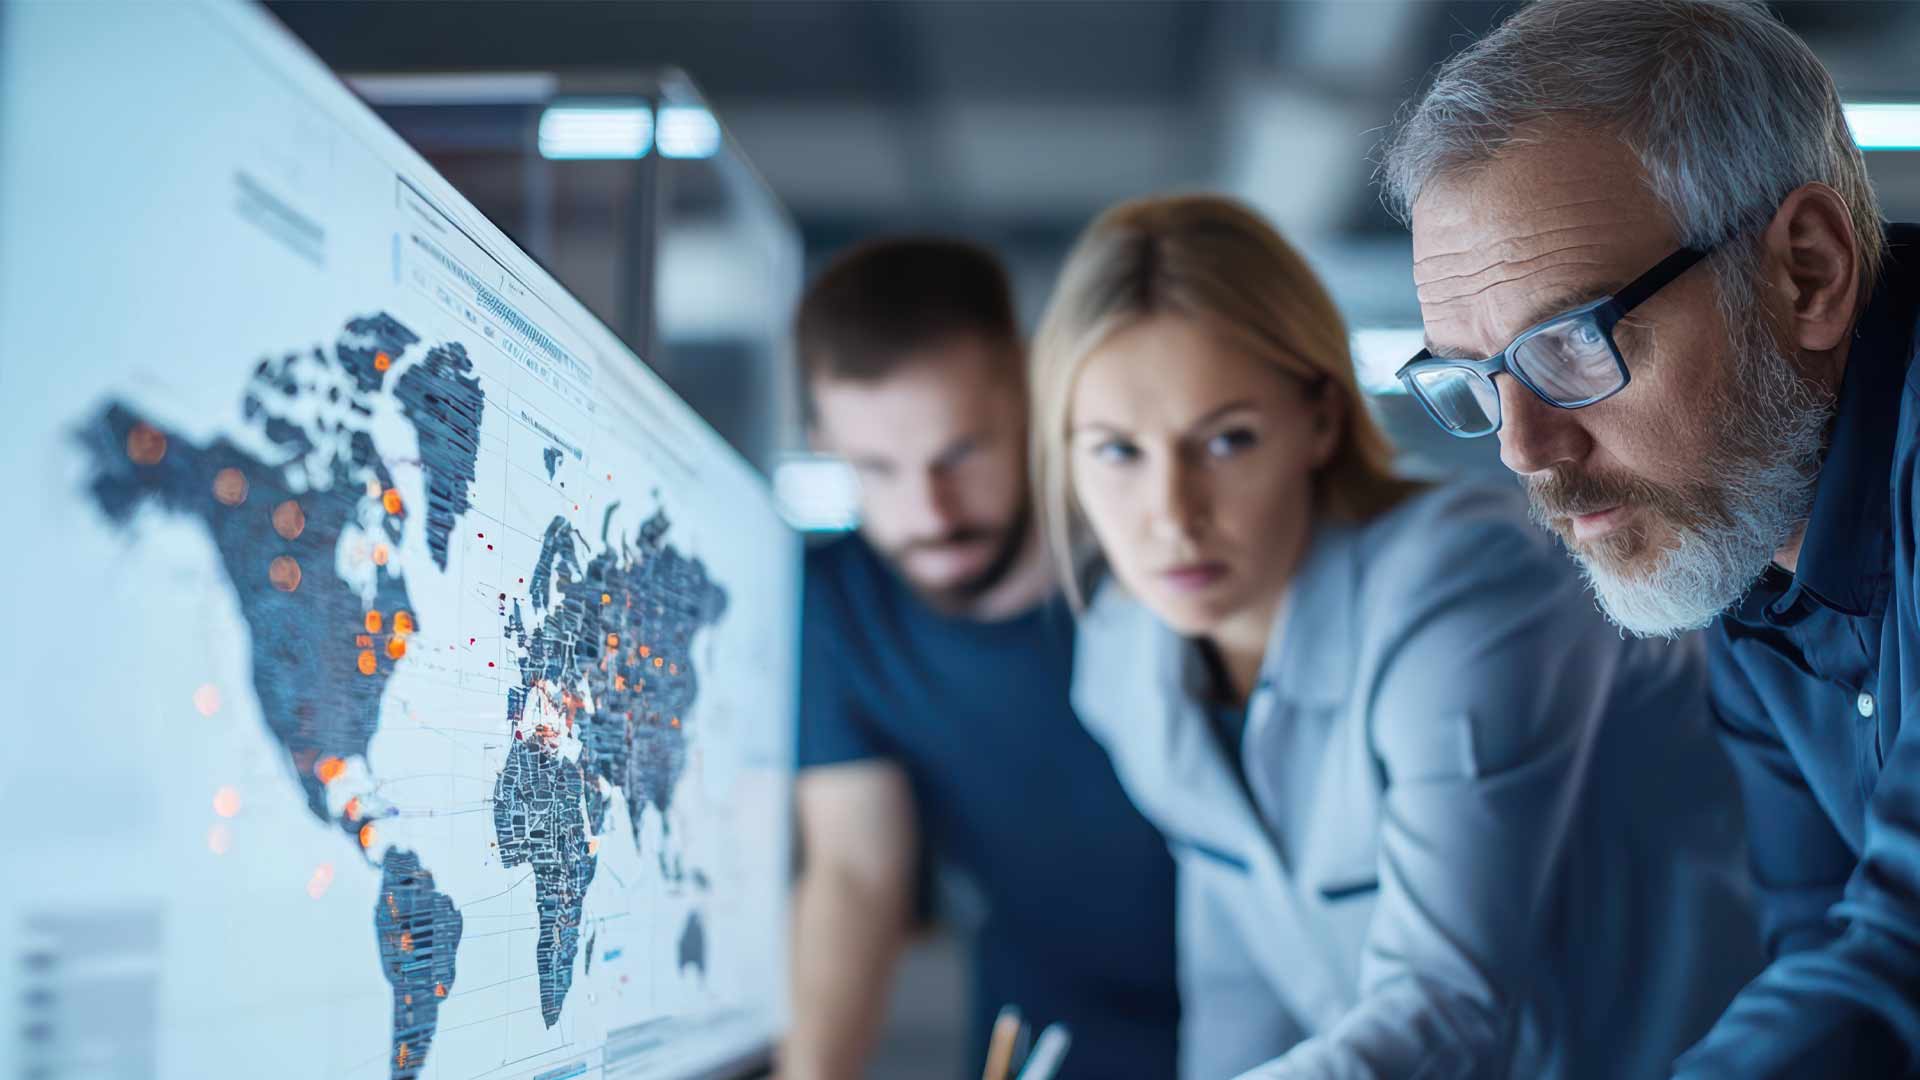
1131,686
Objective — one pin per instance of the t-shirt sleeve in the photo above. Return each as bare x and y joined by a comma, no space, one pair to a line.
834,726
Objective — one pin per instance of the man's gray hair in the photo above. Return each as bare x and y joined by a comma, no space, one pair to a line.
1727,110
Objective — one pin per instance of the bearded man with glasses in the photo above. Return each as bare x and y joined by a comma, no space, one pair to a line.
1727,440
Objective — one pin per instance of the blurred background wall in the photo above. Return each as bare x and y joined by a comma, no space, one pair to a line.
1014,123
1008,123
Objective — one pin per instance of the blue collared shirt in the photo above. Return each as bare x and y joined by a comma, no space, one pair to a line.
1812,677
1471,832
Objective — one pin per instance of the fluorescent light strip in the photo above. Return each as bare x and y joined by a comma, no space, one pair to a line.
816,493
688,131
1378,352
1884,125
598,131
504,88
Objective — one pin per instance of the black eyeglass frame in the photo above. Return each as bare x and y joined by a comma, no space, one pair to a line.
1605,313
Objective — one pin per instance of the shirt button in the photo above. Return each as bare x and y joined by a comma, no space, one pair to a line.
1864,703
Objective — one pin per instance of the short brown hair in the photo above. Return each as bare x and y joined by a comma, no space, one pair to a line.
878,303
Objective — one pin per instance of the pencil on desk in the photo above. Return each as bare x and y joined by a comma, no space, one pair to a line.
1006,1032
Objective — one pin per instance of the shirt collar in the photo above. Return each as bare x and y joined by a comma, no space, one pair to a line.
1310,657
1846,559
1310,654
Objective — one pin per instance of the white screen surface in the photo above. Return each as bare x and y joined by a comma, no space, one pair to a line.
404,676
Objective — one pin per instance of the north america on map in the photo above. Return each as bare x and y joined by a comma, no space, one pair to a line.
309,536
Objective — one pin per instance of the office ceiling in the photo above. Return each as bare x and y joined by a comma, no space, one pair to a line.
1015,123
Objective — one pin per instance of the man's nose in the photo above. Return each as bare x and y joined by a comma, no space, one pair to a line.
935,506
1536,436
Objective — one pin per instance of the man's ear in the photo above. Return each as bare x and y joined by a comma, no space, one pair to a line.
1813,265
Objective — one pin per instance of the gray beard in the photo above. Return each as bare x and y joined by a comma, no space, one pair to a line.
1754,491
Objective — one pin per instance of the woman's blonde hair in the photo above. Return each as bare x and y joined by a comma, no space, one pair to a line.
1214,261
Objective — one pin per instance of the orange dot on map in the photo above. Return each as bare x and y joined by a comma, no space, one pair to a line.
226,801
289,520
657,661
352,809
391,500
145,445
439,989
367,835
321,881
613,641
646,651
396,647
374,622
606,598
329,769
230,487
367,662
403,622
284,572
381,361
379,554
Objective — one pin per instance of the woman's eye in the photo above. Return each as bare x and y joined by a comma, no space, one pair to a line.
1115,452
1230,442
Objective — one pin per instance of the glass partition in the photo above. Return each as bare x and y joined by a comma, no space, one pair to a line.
630,191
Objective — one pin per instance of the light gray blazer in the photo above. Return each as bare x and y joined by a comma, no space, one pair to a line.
1487,836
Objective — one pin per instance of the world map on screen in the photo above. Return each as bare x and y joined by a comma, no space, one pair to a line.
308,525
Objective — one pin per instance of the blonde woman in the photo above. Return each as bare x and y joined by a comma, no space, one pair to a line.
1432,817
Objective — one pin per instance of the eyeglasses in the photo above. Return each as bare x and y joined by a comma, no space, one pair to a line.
1569,361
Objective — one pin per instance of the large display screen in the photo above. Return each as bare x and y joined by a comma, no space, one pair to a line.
402,678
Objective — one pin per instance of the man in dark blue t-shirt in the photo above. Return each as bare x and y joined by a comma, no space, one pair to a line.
935,726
